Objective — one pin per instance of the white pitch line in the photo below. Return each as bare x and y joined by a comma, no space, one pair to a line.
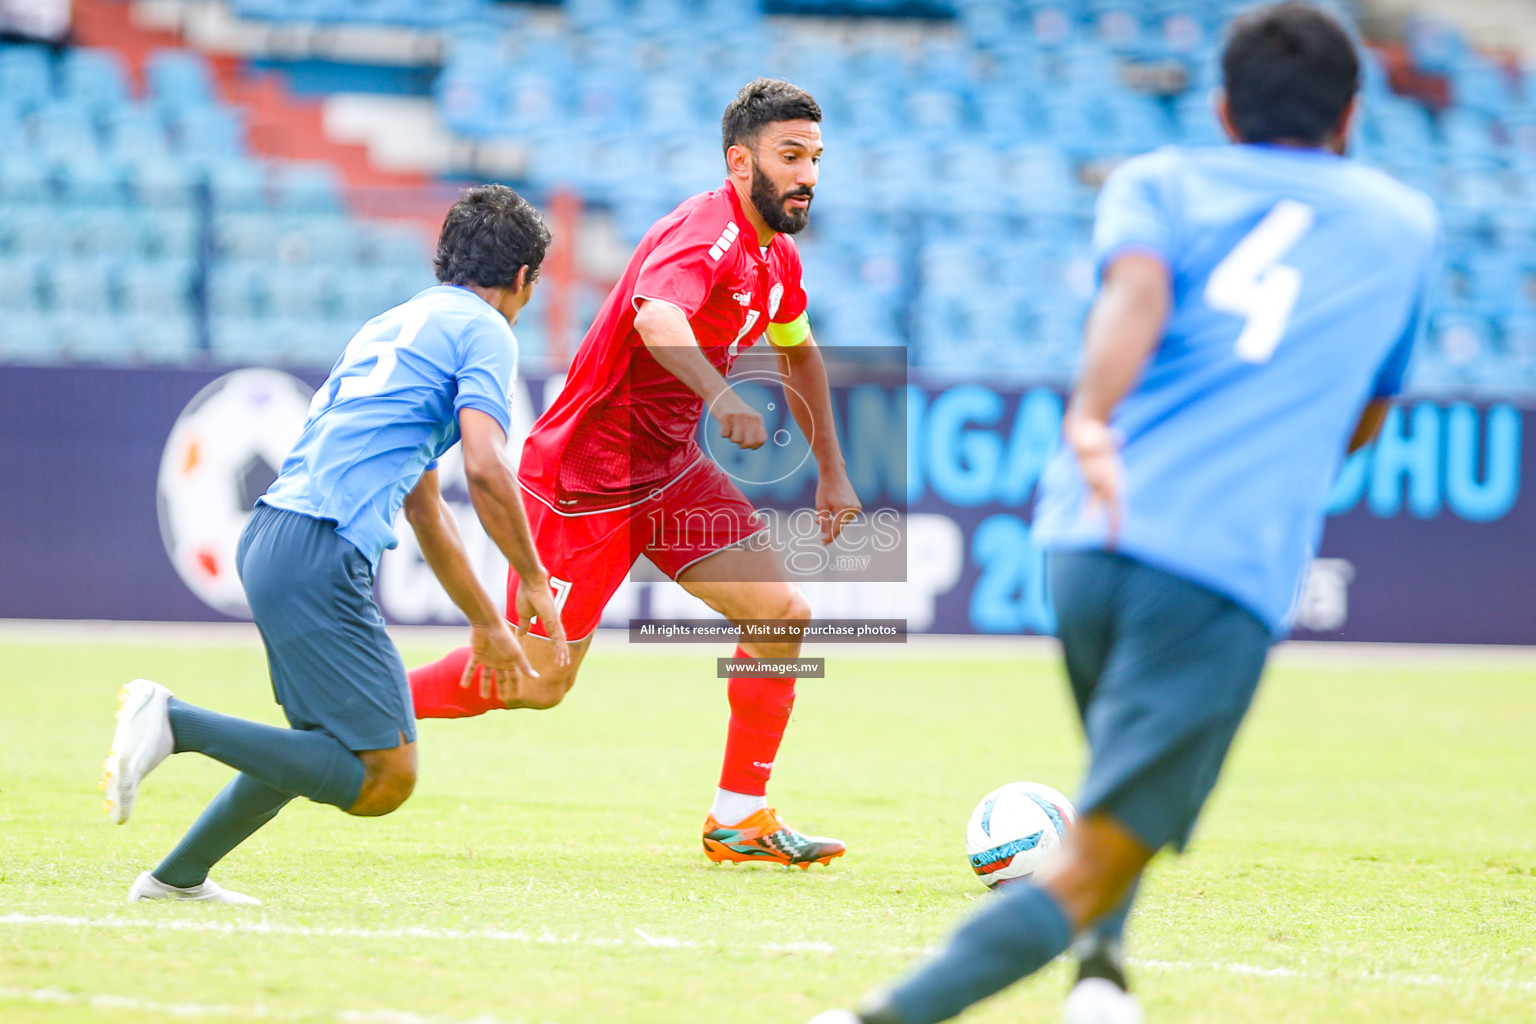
1293,974
642,939
260,1011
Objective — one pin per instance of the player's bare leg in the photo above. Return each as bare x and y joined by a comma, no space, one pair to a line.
437,690
389,778
1101,861
554,681
745,584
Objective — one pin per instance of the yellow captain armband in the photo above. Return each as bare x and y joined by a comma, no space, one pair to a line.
791,334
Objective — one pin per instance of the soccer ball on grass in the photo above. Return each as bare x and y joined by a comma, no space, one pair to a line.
1015,829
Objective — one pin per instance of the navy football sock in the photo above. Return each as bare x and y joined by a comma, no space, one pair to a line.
239,810
1019,933
292,761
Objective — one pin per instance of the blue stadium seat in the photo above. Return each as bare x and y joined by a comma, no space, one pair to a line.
95,76
91,181
1196,121
179,78
162,337
24,178
299,292
19,291
245,235
317,342
92,231
210,134
66,129
35,229
163,182
1468,135
394,245
237,185
82,285
90,337
1459,340
171,234
308,187
26,75
1118,24
332,241
159,288
236,291
242,340
135,132
399,285
362,295
27,337
13,130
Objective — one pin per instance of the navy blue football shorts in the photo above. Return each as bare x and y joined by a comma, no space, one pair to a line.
1163,671
334,668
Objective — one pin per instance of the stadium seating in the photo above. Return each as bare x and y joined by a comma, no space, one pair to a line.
964,152
124,221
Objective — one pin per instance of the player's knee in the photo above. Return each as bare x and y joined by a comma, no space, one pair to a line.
384,791
796,607
542,693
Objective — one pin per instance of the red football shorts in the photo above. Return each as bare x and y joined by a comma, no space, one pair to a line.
699,513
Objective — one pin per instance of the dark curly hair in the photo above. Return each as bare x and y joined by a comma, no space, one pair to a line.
488,235
761,102
1290,70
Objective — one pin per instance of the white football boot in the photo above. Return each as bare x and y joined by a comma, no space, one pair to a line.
1101,1001
140,742
836,1017
148,887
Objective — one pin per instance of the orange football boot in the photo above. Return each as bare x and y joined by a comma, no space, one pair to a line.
763,837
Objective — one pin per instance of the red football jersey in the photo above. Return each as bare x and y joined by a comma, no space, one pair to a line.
623,424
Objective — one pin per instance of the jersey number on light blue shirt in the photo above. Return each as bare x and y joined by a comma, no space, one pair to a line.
1252,282
366,343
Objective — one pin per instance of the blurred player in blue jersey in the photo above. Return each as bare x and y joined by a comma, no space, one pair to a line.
1257,307
411,384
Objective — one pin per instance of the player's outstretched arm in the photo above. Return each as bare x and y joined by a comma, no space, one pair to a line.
1123,329
1371,419
667,335
809,395
493,491
491,641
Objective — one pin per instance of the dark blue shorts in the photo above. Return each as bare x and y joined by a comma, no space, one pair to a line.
334,668
1163,670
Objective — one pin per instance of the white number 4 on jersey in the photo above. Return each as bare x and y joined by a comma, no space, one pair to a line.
1252,282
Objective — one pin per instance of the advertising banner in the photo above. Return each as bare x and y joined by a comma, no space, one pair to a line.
125,489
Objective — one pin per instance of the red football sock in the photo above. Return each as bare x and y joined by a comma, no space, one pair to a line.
759,712
436,692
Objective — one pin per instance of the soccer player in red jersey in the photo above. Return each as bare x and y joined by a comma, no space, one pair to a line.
612,470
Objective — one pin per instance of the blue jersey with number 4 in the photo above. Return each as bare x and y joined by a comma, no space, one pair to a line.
390,408
1298,285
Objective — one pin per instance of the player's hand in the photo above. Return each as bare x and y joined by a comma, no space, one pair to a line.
739,422
536,601
1098,457
497,659
836,504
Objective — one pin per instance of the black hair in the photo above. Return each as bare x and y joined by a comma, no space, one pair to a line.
488,235
1290,70
760,103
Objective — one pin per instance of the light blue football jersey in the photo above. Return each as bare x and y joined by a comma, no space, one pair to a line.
1299,280
390,409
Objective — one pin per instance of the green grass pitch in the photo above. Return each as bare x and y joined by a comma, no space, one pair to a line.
1370,855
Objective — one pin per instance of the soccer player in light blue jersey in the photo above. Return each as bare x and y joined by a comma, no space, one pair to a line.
415,381
1256,310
